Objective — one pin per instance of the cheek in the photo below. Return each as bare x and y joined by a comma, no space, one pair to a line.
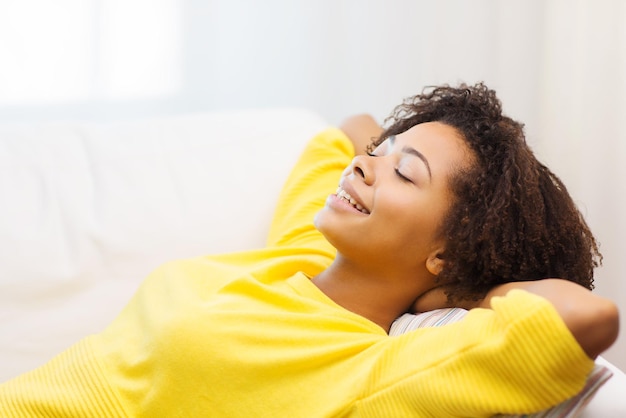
417,220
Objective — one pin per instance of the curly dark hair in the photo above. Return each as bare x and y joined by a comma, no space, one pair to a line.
512,218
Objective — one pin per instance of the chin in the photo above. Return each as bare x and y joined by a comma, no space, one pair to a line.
330,233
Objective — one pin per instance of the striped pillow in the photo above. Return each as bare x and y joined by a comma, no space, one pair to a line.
570,408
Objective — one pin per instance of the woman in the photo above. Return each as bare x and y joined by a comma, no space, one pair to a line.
449,208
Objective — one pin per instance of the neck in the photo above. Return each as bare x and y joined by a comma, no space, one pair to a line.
378,296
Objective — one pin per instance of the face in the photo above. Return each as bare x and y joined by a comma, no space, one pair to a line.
390,204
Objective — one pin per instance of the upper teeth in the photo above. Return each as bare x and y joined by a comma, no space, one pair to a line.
345,196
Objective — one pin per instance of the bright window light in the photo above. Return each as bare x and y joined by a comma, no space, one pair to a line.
73,50
140,47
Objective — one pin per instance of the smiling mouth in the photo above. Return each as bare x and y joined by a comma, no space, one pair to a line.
343,195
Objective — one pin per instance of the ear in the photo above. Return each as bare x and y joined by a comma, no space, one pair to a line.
434,262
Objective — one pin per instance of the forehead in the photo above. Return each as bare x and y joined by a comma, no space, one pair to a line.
441,144
431,132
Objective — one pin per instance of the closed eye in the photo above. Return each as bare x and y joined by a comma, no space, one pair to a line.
403,177
398,173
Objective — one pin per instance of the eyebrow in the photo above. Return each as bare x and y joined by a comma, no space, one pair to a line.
413,151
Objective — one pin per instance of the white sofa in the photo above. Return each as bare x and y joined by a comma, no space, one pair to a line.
89,209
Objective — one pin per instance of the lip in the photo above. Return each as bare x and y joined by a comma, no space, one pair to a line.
347,186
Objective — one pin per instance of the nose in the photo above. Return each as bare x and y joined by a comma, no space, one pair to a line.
362,168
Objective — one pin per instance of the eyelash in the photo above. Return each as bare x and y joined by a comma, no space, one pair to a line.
398,173
404,178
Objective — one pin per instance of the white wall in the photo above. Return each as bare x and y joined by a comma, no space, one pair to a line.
558,65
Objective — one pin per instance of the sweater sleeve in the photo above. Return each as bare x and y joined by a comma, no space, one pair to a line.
314,177
73,384
518,357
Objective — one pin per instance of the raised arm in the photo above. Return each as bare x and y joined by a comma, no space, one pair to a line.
361,129
314,177
592,319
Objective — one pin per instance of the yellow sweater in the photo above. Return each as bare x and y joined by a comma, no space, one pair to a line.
249,335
